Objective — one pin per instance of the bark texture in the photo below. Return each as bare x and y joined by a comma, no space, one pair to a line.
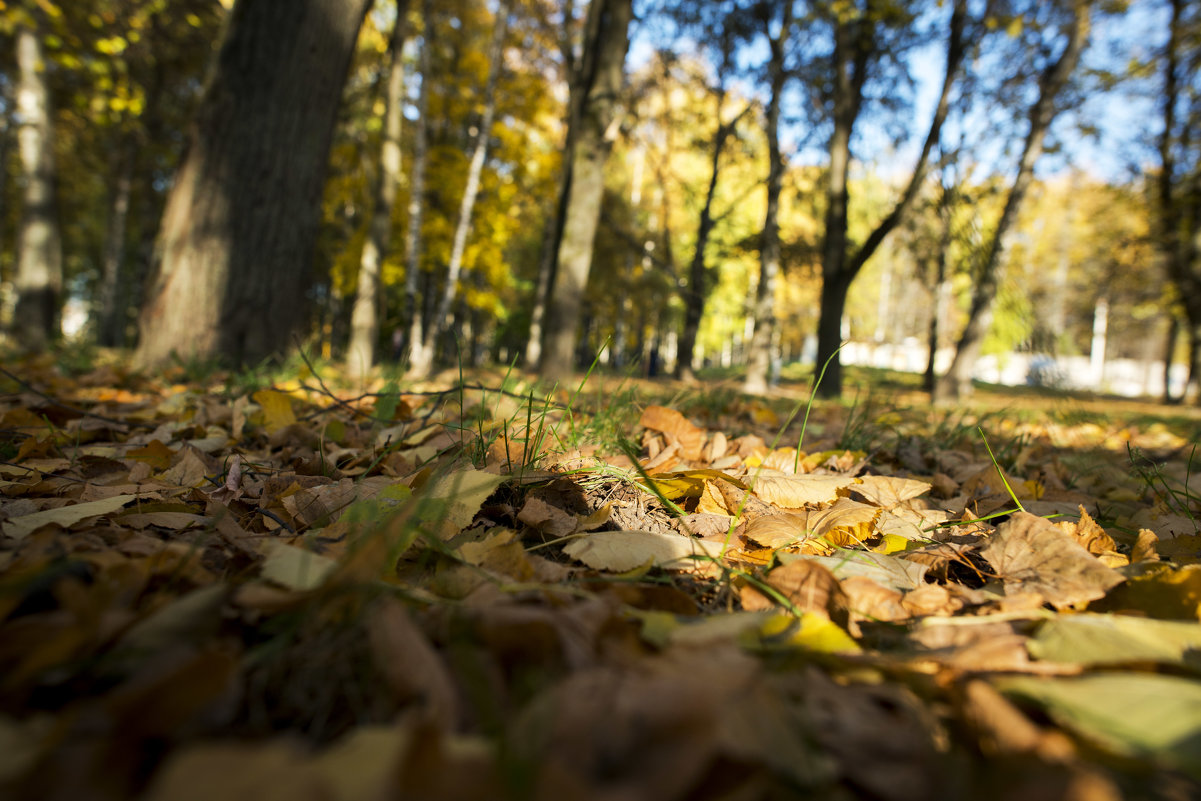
39,278
365,316
958,380
598,85
233,259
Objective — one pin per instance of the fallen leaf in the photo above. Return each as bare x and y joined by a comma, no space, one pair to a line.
619,551
1145,716
66,516
1033,555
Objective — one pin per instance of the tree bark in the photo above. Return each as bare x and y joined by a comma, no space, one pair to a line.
366,313
697,291
110,316
958,380
438,325
419,359
853,51
606,38
232,262
1178,184
942,285
39,278
764,312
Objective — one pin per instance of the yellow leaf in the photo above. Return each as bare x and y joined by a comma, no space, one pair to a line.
155,454
277,409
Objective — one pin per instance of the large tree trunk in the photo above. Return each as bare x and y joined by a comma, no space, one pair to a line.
236,245
853,52
419,359
438,325
764,312
958,380
606,38
39,277
365,316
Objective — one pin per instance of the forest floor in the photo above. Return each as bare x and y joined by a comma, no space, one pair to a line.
288,586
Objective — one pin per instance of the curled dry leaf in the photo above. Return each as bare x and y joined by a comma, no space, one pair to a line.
668,421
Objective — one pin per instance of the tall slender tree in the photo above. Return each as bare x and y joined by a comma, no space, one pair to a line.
479,151
232,263
1054,77
763,314
696,288
414,241
858,48
365,315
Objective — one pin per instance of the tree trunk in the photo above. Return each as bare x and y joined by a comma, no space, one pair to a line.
942,286
365,316
958,380
109,318
853,50
233,258
438,324
39,278
697,289
1168,356
419,359
764,312
546,272
1180,208
599,84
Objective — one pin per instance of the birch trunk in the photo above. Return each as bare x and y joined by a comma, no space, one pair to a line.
413,316
438,324
39,278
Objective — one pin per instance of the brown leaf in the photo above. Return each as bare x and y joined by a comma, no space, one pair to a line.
809,586
414,670
669,421
1031,554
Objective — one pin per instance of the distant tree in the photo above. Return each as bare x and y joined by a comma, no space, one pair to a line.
232,263
39,278
438,324
1179,179
365,316
1051,82
696,285
865,38
763,313
414,235
595,89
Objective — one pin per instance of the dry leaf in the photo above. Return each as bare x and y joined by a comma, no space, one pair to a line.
1033,555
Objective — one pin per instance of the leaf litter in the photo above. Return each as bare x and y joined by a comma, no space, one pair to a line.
294,592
